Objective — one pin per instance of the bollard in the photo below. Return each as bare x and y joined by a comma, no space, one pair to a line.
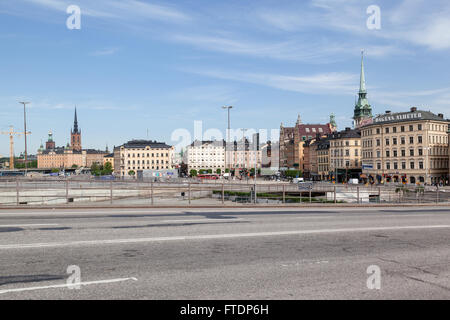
310,194
284,194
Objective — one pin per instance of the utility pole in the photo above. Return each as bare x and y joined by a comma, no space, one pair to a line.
11,134
228,139
25,130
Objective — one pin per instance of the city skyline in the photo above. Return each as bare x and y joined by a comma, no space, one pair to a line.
156,69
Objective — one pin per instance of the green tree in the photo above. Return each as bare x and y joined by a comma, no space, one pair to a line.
95,169
54,170
74,166
193,173
219,171
131,173
107,169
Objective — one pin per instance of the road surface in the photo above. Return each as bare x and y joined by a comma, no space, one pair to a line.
225,254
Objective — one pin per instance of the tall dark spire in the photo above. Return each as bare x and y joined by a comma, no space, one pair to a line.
75,122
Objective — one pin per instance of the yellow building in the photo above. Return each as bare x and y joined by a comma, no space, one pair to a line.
139,155
109,158
345,154
409,147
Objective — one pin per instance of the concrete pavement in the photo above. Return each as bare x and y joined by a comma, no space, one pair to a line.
251,253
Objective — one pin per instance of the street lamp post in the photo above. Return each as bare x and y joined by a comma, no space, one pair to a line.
25,133
228,108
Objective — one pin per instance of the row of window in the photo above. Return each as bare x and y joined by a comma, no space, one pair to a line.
138,155
148,168
148,162
346,143
435,164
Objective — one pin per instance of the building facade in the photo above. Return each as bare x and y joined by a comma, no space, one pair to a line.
71,156
345,155
292,141
409,147
206,155
139,155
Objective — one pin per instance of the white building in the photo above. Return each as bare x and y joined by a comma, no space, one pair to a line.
205,155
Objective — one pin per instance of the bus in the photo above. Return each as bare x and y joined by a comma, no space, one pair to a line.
12,173
209,176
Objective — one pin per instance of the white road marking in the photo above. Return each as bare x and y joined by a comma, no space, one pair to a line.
67,285
213,236
202,220
29,225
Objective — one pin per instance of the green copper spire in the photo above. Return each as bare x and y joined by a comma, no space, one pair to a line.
362,82
363,110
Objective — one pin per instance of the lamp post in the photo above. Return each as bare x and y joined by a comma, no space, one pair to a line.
228,108
25,132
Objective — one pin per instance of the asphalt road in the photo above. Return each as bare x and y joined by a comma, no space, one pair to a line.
225,254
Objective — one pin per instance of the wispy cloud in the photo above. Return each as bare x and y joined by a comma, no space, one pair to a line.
123,9
331,83
104,52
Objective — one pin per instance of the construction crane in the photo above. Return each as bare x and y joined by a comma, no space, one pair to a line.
11,134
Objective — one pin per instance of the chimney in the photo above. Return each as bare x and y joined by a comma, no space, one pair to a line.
413,109
347,129
440,115
388,111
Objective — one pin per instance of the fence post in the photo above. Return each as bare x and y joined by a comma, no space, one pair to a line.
335,199
111,192
67,191
437,194
17,191
151,192
357,193
310,194
379,194
189,193
284,194
223,193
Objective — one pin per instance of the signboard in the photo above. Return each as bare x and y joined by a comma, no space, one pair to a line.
399,117
367,166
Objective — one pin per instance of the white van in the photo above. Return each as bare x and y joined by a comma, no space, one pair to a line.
298,180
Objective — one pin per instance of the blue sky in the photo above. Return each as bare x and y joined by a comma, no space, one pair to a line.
138,65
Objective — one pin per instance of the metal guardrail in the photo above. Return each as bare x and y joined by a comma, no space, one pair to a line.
19,191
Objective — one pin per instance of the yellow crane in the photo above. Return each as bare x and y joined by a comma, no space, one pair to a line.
11,134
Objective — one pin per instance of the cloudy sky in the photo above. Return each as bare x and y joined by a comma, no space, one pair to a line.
140,66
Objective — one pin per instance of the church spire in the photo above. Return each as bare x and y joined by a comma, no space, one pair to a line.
75,122
363,110
362,82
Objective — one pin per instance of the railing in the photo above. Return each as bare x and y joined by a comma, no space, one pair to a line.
66,191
